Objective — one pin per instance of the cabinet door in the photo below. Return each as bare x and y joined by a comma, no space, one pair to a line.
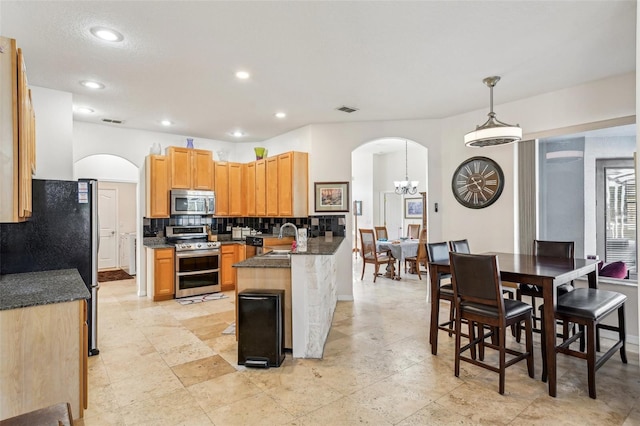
222,188
261,188
25,137
249,189
202,169
180,159
227,272
164,274
157,181
235,189
285,184
272,186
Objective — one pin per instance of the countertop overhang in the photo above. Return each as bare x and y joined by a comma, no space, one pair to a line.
41,288
315,247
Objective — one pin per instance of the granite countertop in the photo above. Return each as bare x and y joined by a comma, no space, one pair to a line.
315,247
157,243
41,288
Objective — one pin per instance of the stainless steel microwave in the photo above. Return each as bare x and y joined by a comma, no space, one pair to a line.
185,201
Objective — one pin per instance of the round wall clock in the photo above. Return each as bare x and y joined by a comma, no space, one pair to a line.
477,182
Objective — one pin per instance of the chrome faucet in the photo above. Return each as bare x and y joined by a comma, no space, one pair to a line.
295,229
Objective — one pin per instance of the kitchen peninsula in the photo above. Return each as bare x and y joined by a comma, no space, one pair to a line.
310,282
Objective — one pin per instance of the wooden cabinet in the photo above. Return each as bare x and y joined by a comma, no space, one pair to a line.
229,254
17,135
261,188
190,168
293,184
43,358
272,186
157,182
249,189
161,273
228,188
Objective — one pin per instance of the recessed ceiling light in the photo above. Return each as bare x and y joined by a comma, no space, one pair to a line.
83,110
237,134
243,75
92,84
166,123
106,34
280,114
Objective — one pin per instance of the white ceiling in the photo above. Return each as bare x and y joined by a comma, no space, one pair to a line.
391,60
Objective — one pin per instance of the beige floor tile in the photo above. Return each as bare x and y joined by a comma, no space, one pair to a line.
151,385
223,390
344,411
202,370
434,414
186,353
255,410
166,410
135,366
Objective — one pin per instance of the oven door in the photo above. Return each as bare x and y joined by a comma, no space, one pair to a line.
197,272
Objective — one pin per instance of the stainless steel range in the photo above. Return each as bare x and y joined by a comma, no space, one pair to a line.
197,260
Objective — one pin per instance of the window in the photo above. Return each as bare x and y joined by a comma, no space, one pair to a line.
616,201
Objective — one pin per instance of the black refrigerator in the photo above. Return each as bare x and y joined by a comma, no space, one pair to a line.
62,233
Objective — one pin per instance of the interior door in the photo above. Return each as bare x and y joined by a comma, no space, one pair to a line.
107,216
391,213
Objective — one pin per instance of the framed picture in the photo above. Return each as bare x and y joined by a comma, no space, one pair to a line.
357,208
332,196
413,208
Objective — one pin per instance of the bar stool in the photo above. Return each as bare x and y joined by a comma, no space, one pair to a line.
587,307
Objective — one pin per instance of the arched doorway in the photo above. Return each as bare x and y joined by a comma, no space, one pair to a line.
118,209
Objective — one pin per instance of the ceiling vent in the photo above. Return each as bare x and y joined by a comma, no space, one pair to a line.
347,109
112,121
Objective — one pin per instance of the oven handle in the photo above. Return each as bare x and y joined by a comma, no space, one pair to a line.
205,271
197,253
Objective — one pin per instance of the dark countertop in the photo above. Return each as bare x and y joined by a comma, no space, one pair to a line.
157,243
315,247
41,288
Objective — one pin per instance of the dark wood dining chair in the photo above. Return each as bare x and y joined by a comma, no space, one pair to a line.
459,246
421,257
371,255
413,231
437,252
559,249
381,233
587,307
478,299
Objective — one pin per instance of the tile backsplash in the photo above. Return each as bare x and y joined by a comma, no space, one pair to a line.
317,225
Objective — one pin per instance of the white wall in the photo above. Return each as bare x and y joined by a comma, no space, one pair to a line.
54,133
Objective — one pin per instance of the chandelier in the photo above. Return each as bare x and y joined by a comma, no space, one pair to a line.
493,131
406,186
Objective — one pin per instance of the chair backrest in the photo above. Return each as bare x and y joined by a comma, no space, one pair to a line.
413,231
422,245
381,233
437,252
368,242
562,249
476,279
459,246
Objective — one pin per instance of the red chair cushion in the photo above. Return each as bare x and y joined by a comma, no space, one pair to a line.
614,270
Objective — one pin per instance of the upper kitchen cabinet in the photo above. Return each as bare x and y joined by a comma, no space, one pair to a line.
272,186
261,188
249,189
17,135
228,188
293,184
157,181
190,168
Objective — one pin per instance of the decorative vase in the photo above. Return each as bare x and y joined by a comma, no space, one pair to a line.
155,149
189,143
260,153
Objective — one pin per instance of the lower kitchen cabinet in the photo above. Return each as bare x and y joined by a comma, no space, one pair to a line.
161,272
229,254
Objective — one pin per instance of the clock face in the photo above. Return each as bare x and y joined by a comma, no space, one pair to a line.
477,182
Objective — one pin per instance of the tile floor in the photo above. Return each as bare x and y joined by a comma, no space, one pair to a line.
169,364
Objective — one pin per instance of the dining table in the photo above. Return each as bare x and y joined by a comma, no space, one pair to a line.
400,250
545,272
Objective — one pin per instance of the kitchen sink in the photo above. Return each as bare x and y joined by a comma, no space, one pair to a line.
277,254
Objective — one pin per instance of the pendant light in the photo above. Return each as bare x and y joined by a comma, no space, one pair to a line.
406,186
493,131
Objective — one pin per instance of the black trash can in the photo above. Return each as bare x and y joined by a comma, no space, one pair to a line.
260,328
